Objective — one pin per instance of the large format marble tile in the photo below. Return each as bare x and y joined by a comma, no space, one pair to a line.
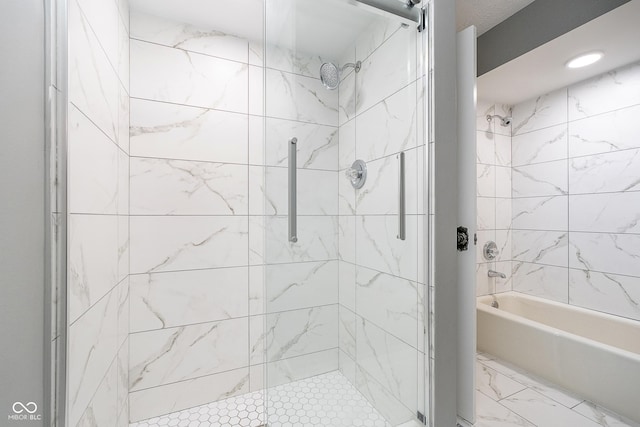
347,287
605,213
347,146
301,285
184,243
317,239
93,167
295,97
544,179
390,361
609,293
256,90
604,173
93,261
486,213
503,182
503,150
92,350
379,248
608,253
388,302
543,411
541,280
347,97
486,180
184,36
485,147
540,213
299,332
543,145
603,416
170,355
317,146
379,195
293,61
389,127
395,411
305,366
389,68
173,397
490,413
165,300
543,247
103,18
177,187
93,83
347,334
173,75
104,403
374,35
494,384
614,131
316,191
541,112
607,92
179,132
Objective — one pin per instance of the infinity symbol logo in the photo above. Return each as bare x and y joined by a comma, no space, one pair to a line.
20,407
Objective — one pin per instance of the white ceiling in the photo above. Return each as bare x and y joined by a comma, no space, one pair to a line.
486,14
542,70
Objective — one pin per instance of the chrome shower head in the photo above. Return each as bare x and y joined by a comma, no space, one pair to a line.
330,73
504,121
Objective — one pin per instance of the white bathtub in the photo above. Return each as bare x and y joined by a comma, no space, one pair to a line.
595,355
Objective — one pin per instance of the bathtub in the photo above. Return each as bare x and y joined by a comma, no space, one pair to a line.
592,354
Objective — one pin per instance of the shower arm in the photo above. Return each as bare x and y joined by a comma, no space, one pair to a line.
357,66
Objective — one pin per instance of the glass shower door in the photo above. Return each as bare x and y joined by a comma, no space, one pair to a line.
343,271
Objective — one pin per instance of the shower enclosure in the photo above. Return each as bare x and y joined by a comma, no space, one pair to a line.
244,213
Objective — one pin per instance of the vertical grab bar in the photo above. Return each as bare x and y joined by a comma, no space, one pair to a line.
402,227
293,190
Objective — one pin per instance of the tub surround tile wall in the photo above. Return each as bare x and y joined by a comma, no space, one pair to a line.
575,194
208,220
98,200
380,328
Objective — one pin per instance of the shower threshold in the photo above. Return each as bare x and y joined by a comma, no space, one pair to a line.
324,400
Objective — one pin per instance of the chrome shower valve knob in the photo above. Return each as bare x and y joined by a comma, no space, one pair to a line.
357,174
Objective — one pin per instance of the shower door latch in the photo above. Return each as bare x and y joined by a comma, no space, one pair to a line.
463,239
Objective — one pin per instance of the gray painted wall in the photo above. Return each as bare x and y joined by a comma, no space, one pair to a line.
535,25
22,199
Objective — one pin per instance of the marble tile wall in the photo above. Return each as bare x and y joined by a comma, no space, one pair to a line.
576,158
216,288
493,142
98,207
381,325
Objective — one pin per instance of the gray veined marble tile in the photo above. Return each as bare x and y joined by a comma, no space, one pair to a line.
186,394
388,127
544,247
347,279
301,285
299,332
170,355
503,213
486,211
494,384
183,243
347,146
295,97
490,413
541,112
485,148
165,300
503,150
346,195
390,361
124,116
123,376
188,37
541,280
383,400
123,54
540,213
486,180
317,239
347,367
608,253
603,173
305,366
316,191
104,403
540,146
179,132
173,75
614,131
347,332
380,30
543,411
347,97
605,213
380,249
609,293
293,61
388,302
607,92
317,146
603,416
102,16
93,167
503,181
256,90
93,83
544,179
176,187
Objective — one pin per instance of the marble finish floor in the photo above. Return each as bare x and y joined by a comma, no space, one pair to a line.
509,396
320,401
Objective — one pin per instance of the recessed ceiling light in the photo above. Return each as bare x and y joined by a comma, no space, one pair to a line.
584,60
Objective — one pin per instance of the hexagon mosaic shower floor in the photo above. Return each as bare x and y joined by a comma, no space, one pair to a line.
320,401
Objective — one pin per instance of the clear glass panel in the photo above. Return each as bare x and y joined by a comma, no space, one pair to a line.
345,329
